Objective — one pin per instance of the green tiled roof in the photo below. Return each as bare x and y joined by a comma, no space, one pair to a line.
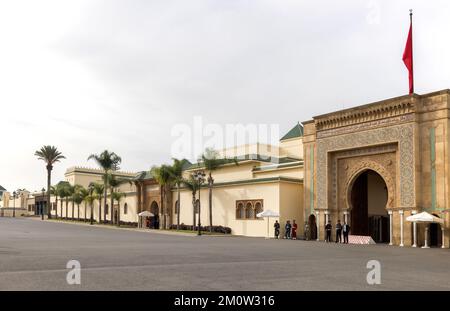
143,175
296,131
2,189
254,157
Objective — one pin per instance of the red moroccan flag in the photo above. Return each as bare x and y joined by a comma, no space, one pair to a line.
408,58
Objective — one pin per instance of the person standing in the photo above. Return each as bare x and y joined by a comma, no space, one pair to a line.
328,228
339,231
287,229
307,231
276,227
294,230
346,231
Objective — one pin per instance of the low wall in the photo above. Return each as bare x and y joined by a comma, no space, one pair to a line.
9,212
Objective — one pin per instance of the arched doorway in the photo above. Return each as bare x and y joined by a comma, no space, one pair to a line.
154,220
368,215
435,234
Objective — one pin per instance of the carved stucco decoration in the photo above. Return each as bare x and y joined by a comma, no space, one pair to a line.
359,167
403,135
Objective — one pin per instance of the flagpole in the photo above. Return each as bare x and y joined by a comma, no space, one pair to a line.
412,55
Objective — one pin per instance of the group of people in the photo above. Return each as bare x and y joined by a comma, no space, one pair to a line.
341,229
290,230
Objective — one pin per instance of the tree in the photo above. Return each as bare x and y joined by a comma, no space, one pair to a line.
163,176
114,183
75,197
61,189
90,199
193,186
83,193
176,170
98,192
50,155
117,196
108,161
69,192
54,191
211,162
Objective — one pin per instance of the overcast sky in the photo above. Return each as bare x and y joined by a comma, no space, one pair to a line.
92,75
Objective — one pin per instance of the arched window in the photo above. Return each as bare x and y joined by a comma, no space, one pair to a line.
258,209
240,211
249,211
125,209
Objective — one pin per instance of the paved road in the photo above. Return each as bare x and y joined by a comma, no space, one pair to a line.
33,256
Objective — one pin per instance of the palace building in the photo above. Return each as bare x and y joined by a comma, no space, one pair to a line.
371,166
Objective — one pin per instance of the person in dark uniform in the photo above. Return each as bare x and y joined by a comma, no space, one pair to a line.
339,231
328,228
287,230
345,231
276,226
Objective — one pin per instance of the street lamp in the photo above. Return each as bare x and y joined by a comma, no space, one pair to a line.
42,203
199,176
14,203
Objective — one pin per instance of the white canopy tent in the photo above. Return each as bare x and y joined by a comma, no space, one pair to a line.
268,213
143,214
426,218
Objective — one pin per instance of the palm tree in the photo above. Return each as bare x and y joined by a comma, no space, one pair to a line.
99,191
61,188
75,197
54,191
163,176
177,175
211,162
90,199
69,192
117,196
114,183
192,184
83,193
50,155
108,161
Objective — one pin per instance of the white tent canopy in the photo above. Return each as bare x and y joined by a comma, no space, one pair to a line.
425,218
143,214
146,214
268,213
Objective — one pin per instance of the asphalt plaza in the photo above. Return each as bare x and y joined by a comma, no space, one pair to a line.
34,255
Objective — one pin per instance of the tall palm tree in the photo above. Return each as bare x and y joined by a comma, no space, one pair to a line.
50,155
114,183
54,191
90,199
108,161
98,192
193,186
163,176
211,162
176,171
117,196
